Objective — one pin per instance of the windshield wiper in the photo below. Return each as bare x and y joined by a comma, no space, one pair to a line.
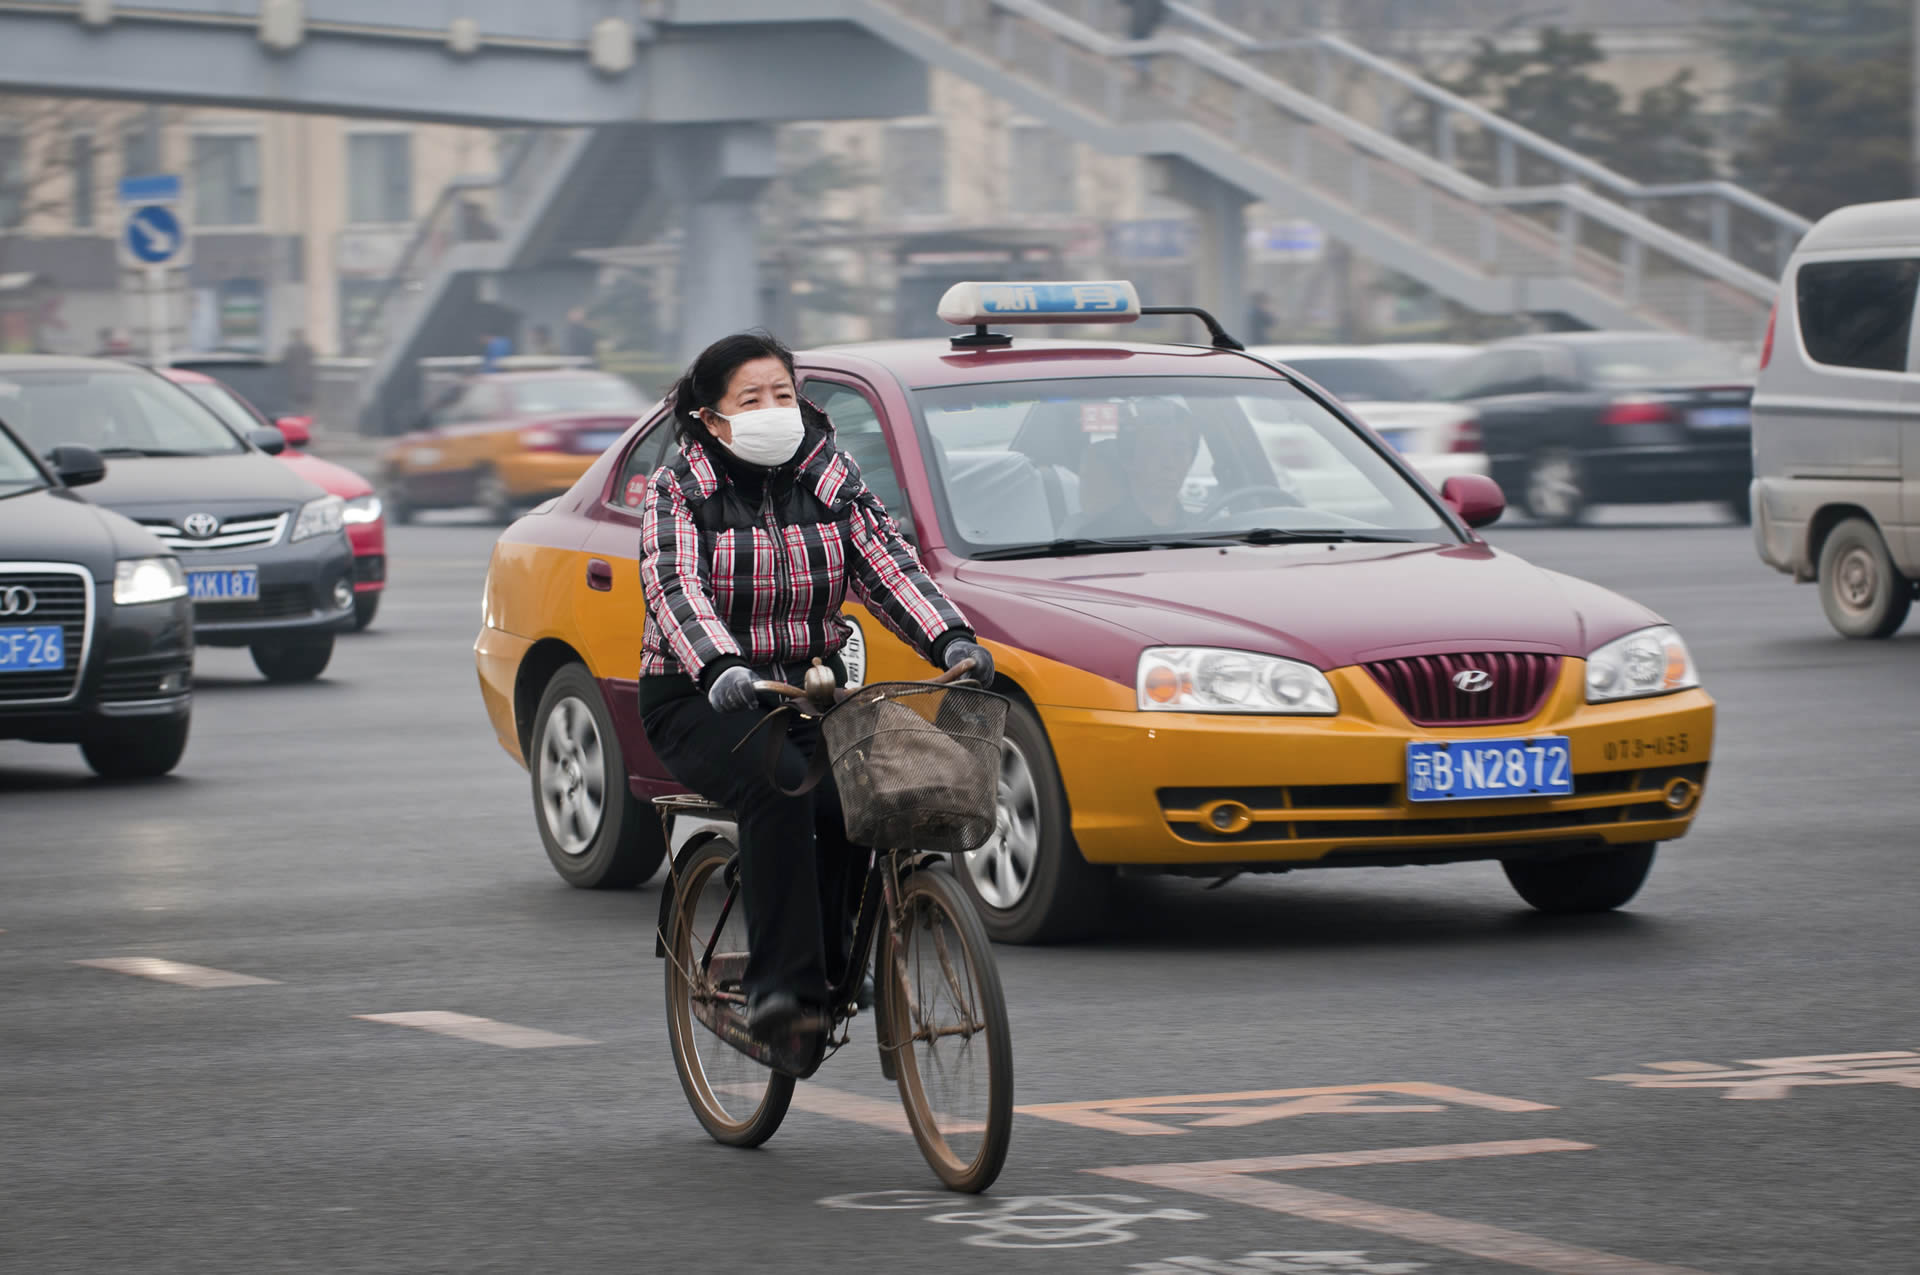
1288,535
145,451
1073,545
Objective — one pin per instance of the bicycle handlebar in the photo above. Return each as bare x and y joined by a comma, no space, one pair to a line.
792,692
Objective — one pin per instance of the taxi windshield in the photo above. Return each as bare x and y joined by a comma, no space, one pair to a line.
576,394
1358,380
117,413
1031,468
18,473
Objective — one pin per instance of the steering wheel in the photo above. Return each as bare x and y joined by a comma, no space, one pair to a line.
1225,501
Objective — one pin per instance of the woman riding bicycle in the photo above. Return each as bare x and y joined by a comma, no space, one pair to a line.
752,535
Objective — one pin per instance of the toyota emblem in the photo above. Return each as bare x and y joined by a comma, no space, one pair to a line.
1473,680
17,600
200,526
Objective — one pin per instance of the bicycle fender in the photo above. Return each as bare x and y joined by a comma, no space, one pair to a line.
671,889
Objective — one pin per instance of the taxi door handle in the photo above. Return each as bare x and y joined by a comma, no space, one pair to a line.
599,575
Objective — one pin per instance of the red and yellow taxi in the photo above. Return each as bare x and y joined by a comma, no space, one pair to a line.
1308,659
506,440
365,519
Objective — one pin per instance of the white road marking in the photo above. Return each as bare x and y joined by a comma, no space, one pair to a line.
485,1031
876,1112
175,972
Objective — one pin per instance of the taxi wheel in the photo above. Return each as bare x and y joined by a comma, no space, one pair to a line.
491,494
138,749
295,659
1555,491
1862,592
597,834
1028,882
393,498
1596,882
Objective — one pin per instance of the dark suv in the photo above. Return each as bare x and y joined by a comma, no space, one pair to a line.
265,553
96,633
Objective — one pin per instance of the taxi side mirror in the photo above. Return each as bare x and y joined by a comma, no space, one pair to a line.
77,466
270,441
1475,497
297,430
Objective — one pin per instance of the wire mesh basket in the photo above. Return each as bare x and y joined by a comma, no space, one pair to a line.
917,765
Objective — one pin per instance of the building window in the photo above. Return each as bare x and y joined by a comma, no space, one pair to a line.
13,180
916,169
80,165
226,179
1040,170
379,178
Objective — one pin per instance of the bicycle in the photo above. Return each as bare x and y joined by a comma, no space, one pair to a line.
939,1010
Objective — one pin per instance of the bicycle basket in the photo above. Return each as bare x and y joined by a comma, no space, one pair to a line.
917,765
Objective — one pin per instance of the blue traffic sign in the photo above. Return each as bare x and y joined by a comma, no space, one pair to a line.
162,188
154,235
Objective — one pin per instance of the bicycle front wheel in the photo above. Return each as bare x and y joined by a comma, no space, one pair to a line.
736,1099
947,1023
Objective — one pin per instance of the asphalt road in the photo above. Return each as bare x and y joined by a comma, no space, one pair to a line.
363,844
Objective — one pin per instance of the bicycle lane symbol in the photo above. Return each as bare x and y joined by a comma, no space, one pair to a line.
1026,1221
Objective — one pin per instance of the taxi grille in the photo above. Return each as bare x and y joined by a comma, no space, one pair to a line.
62,596
242,531
1425,688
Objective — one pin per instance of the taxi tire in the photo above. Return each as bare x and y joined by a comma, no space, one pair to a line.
490,492
293,659
394,499
630,844
1596,882
138,749
1067,897
365,607
1856,545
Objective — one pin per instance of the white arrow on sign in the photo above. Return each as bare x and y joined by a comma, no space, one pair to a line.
160,243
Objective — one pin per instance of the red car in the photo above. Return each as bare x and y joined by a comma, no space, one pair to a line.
366,521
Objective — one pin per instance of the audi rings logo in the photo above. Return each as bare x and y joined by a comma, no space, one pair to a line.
200,526
1473,680
17,600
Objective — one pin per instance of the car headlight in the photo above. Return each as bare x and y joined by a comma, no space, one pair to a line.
363,509
1650,662
1202,679
320,517
137,580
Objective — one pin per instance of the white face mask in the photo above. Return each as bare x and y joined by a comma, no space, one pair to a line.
767,436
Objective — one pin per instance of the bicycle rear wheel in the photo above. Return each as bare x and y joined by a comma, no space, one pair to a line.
736,1099
947,1022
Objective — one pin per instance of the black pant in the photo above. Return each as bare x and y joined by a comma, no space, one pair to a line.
795,861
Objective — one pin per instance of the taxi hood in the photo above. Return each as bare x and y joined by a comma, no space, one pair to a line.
1330,605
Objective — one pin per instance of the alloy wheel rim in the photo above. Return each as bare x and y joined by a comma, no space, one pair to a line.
1857,581
1553,488
1002,870
572,776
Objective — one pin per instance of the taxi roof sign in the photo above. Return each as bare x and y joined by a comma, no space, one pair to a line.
1092,301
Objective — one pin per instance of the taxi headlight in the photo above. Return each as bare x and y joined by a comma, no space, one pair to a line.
320,517
137,580
1202,679
362,509
1650,662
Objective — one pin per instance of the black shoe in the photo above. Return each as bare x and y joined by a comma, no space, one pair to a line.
777,1016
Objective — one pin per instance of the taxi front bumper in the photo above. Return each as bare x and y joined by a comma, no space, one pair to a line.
1149,789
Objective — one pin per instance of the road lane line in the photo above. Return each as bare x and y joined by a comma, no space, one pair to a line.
175,972
1232,1180
1124,1115
484,1031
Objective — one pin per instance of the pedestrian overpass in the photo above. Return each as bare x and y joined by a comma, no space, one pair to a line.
663,110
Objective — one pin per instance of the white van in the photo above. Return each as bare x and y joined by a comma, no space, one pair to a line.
1836,418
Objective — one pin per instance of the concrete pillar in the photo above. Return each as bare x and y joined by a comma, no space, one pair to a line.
716,172
1220,265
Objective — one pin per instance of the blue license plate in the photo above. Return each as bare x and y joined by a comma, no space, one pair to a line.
1475,769
32,648
224,584
1720,418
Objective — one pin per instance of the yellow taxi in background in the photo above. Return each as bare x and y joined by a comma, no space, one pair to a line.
1316,661
505,441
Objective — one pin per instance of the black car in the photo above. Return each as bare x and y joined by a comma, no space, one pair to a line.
265,552
96,632
1575,419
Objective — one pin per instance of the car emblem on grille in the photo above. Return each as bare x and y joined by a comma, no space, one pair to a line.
200,526
17,600
1473,680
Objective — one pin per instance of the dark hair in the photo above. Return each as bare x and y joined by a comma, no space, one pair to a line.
707,377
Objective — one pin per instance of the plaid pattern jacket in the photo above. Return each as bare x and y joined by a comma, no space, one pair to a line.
722,579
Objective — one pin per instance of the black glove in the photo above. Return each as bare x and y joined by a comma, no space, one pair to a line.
732,691
961,649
